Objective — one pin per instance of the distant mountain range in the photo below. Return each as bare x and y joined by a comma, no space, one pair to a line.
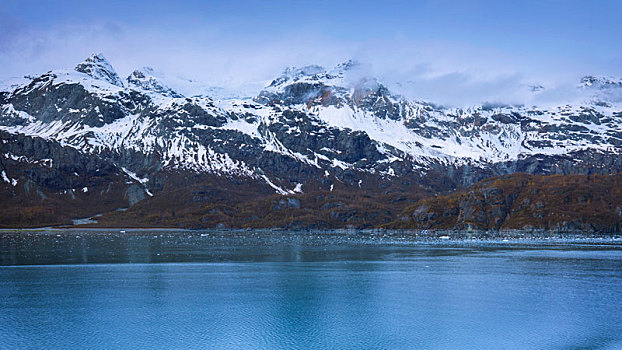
316,147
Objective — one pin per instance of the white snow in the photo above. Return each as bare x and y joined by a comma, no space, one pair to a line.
134,176
6,179
298,188
12,83
143,181
278,189
244,127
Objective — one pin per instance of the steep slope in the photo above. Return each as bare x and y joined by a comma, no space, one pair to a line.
203,200
43,183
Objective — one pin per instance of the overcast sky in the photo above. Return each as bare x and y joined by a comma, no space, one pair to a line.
446,51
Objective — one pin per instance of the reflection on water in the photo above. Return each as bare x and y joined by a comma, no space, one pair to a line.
158,246
305,290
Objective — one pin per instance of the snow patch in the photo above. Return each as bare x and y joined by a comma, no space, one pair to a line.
298,188
6,179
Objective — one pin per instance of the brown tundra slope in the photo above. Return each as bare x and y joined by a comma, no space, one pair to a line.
591,203
202,201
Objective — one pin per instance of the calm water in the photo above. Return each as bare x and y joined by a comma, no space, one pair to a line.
247,290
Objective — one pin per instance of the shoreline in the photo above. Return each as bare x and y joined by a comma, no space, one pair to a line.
414,235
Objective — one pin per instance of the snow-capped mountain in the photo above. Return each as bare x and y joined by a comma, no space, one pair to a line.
147,80
602,91
310,128
98,67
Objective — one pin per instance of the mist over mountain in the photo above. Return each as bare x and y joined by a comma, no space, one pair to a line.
312,138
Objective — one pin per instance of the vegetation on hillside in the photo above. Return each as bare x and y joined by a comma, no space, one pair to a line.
522,201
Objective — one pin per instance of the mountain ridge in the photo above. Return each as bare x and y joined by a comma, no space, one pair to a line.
310,130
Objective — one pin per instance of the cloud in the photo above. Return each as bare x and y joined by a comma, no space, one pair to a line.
445,72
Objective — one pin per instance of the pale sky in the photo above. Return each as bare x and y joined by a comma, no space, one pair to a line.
446,51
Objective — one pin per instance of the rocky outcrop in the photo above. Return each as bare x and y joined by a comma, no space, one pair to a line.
44,183
145,79
98,67
588,203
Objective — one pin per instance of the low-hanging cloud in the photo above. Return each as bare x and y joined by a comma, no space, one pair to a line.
443,72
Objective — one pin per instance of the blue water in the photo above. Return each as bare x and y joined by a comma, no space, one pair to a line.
88,290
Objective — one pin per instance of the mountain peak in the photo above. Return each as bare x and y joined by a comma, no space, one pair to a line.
347,65
98,67
312,69
317,71
591,81
292,74
147,79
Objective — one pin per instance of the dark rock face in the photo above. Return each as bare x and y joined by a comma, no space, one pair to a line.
286,203
51,184
375,97
294,94
58,158
581,162
572,203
